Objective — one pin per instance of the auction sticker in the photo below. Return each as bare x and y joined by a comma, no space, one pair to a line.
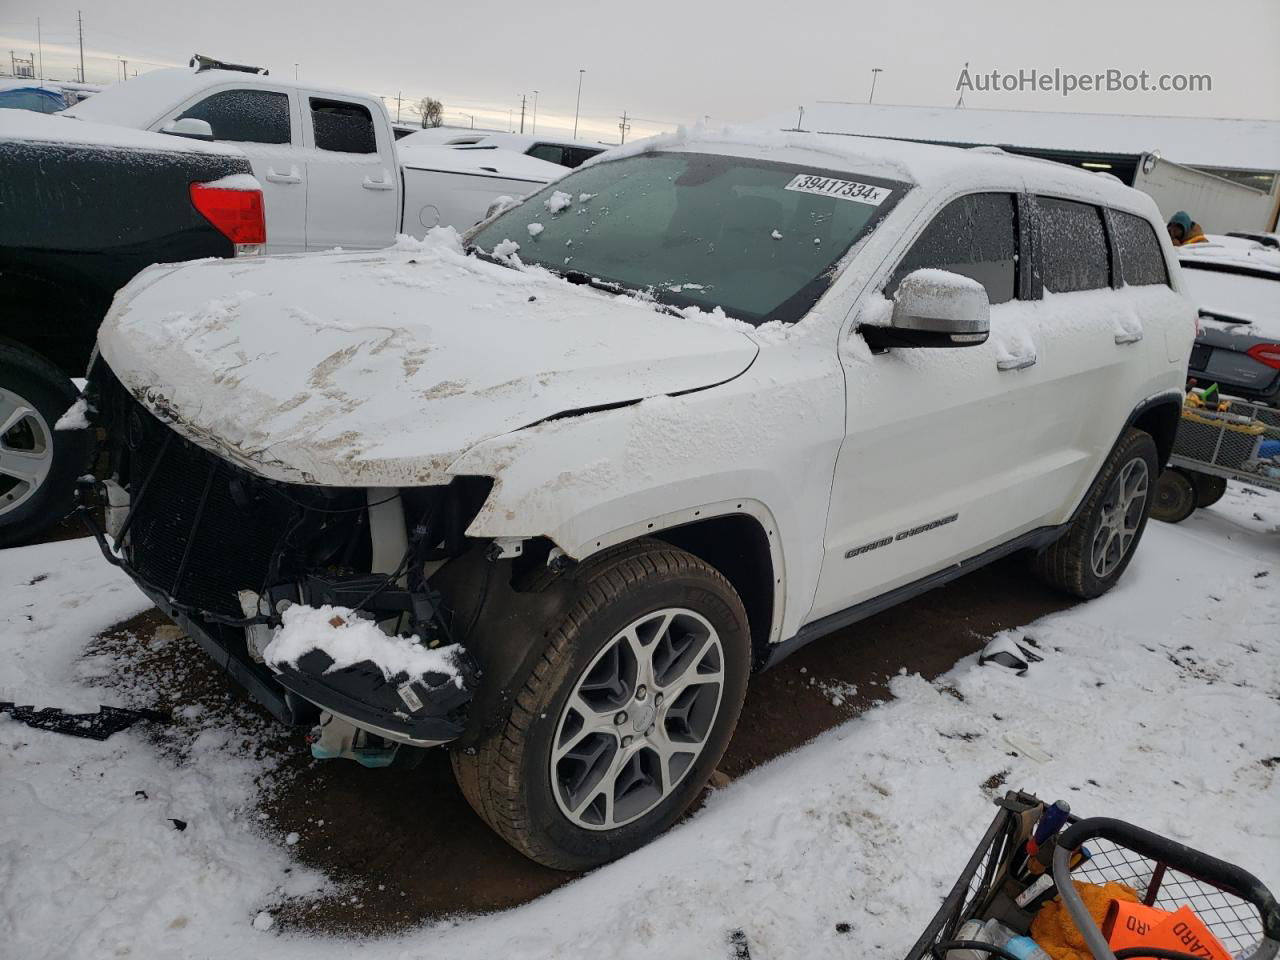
841,189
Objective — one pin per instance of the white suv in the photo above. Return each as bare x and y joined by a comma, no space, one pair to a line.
652,429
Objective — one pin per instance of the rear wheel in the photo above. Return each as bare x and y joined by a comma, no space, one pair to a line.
1209,488
38,465
1098,545
625,716
1175,497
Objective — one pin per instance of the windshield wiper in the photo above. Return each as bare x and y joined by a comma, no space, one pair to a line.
579,278
471,250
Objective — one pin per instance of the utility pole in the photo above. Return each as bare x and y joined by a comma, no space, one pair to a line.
469,116
523,98
960,102
40,50
624,125
800,120
124,65
80,24
398,106
535,113
295,73
575,109
875,71
511,127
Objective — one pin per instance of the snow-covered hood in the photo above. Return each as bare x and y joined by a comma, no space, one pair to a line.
382,369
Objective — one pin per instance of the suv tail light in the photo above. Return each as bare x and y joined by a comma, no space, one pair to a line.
1266,353
237,215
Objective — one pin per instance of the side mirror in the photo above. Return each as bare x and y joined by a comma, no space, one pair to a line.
190,128
934,308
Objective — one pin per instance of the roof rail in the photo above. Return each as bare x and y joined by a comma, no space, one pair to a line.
202,63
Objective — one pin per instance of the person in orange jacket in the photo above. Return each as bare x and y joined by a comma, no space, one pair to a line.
1183,230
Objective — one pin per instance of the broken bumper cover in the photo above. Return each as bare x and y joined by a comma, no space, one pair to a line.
426,711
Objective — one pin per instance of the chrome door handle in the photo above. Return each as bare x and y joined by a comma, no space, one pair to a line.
1128,337
371,184
1016,363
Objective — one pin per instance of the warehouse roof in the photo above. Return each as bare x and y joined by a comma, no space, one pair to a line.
1192,141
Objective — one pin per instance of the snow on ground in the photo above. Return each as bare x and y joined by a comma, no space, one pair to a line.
1158,703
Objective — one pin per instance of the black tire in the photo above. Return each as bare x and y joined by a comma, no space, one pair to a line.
1209,488
25,513
507,777
1068,563
1175,497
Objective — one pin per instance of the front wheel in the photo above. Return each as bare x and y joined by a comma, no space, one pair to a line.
624,717
1089,558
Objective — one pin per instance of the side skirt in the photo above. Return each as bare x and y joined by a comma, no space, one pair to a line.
1036,539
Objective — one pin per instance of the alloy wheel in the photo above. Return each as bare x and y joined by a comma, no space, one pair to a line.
26,450
1121,517
638,717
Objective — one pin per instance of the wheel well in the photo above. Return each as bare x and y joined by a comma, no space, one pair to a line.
1161,421
50,317
736,545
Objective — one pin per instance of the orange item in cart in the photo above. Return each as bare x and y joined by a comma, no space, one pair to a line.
1055,931
1131,924
1183,930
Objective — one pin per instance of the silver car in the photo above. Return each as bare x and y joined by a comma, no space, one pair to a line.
1237,289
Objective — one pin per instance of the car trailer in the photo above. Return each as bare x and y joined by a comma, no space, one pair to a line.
1231,440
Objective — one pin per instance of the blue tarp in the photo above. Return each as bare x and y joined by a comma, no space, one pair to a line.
39,99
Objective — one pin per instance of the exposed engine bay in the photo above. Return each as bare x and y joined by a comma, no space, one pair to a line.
225,553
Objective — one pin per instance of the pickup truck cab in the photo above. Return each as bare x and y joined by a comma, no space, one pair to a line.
696,404
326,158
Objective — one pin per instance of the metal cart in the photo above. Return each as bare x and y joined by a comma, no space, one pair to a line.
1213,446
1233,904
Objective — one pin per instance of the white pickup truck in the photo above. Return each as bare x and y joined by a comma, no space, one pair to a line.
327,161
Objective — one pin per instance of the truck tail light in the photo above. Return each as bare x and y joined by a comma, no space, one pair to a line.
237,215
1266,353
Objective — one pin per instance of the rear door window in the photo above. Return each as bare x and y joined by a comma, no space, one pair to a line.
549,152
245,116
1073,246
975,236
343,127
1141,259
577,156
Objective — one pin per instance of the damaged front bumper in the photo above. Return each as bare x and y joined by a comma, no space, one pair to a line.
420,711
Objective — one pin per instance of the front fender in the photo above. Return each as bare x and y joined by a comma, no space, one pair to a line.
602,478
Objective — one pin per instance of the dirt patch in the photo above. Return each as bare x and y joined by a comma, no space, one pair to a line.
403,847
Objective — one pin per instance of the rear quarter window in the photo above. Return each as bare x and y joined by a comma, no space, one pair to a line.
1073,246
1141,259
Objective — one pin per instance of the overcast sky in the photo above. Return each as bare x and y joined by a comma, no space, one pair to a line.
674,61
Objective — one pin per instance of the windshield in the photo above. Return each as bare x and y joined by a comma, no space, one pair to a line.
757,238
140,102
